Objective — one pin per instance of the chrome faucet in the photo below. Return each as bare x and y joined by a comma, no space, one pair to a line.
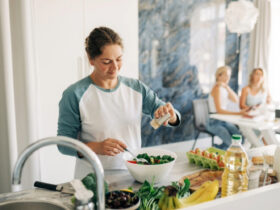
89,155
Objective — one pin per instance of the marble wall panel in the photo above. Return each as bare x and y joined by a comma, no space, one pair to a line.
174,37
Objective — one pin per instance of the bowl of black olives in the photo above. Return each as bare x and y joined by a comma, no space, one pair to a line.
122,200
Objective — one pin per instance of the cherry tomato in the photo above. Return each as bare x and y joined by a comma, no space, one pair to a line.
132,161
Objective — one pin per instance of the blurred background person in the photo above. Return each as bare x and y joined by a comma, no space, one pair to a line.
255,93
220,98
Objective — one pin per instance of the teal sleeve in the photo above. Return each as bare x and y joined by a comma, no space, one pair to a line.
69,123
150,101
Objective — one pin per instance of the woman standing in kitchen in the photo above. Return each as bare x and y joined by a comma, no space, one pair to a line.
219,100
104,109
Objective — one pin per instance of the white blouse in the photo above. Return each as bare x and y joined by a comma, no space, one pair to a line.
259,98
224,100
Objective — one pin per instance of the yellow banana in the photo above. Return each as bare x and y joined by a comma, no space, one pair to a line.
161,201
178,203
170,203
206,192
165,204
197,193
209,193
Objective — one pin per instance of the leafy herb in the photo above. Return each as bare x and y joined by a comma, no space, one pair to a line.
90,183
183,190
149,196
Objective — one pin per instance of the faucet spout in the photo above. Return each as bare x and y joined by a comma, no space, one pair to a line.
88,154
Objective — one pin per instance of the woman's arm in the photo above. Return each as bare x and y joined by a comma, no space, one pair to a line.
268,98
243,98
216,95
231,94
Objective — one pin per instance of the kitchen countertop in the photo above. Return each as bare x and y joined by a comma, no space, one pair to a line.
256,199
117,179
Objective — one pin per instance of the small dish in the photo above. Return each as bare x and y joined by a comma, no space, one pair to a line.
121,200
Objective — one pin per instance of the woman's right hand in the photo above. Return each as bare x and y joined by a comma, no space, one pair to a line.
245,112
110,147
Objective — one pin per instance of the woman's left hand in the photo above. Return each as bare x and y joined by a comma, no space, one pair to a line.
163,110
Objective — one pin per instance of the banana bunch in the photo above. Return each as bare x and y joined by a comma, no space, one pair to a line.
206,192
167,200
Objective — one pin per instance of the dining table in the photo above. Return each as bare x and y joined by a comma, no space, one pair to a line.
265,125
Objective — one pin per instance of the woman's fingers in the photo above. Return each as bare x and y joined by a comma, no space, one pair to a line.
121,145
163,110
171,111
113,147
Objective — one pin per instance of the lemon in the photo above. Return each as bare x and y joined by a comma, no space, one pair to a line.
127,190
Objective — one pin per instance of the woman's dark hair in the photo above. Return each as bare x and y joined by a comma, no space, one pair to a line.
100,37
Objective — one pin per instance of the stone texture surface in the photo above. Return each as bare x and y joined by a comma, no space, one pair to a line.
173,36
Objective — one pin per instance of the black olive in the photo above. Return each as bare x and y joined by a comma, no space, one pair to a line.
116,204
122,193
123,199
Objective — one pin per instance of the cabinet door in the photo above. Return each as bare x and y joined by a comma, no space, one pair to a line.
122,17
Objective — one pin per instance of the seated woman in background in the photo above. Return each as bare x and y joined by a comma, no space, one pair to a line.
219,100
254,94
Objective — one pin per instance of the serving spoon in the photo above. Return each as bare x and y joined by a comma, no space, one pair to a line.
135,157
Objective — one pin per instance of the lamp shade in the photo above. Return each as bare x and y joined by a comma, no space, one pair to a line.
241,16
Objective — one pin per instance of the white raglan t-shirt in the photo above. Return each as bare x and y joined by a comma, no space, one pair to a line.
91,113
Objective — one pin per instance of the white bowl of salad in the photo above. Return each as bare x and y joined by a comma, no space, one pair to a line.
158,166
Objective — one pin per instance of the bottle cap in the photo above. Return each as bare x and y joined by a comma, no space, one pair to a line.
236,137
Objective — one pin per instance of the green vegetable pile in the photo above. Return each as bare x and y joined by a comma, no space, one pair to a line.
148,193
155,159
151,195
90,183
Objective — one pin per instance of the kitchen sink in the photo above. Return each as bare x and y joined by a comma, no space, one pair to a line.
30,205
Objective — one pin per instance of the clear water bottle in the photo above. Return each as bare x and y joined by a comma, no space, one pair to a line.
235,178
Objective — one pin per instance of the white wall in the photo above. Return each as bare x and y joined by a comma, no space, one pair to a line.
60,28
5,83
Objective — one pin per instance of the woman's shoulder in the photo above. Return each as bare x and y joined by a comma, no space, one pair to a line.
137,85
133,83
128,79
246,89
215,88
78,88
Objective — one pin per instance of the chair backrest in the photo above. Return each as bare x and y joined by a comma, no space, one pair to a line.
201,113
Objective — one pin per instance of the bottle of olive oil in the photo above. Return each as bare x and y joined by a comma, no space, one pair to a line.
235,178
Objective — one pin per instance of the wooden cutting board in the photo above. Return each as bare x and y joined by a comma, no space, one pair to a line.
198,178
